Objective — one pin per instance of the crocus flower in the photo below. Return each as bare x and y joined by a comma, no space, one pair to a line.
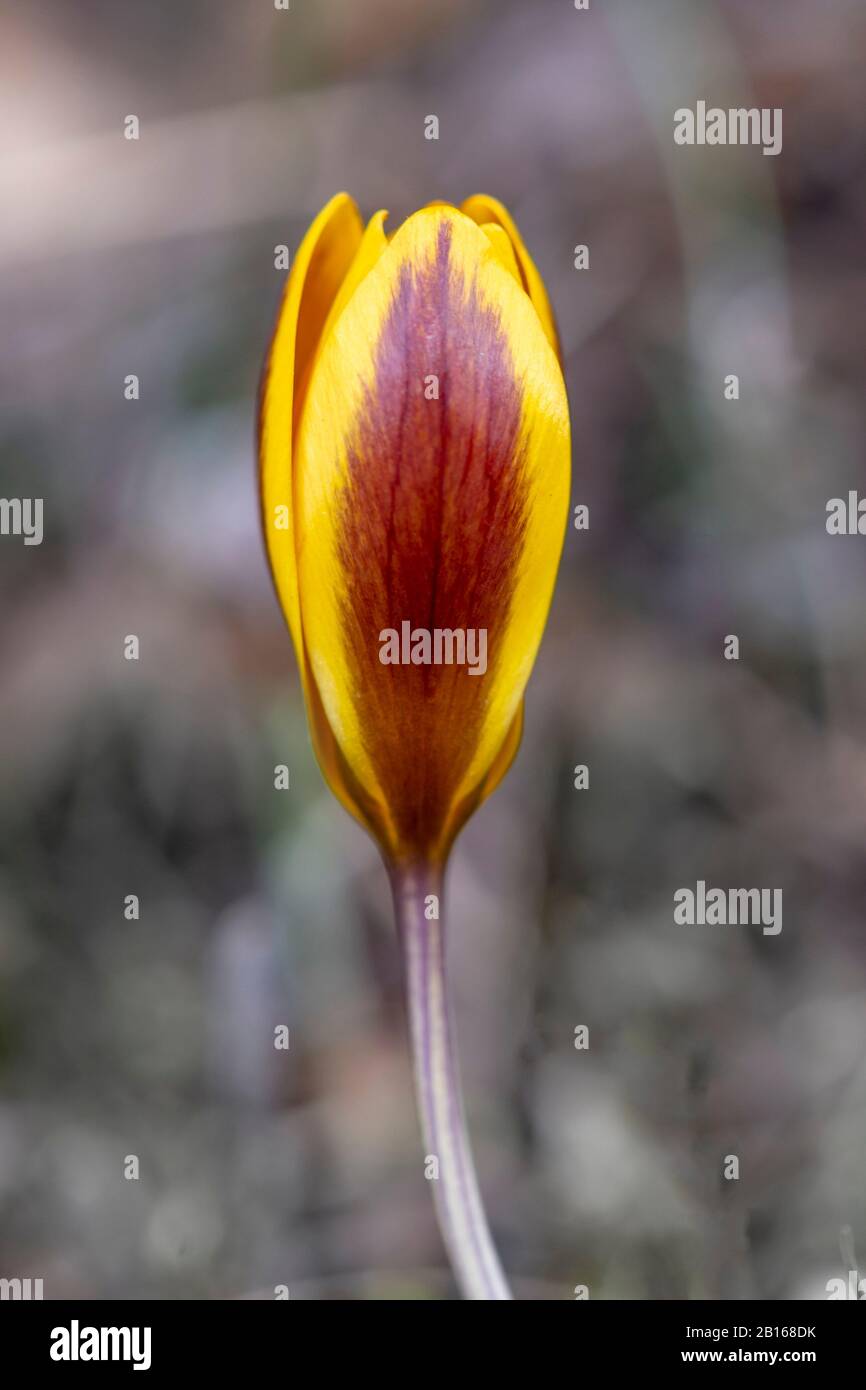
414,449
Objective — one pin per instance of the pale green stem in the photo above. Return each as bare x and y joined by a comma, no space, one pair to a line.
459,1208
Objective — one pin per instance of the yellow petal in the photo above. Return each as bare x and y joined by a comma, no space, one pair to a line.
501,244
373,243
504,758
502,762
320,265
486,210
432,476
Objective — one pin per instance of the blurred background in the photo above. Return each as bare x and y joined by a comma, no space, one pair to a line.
154,1037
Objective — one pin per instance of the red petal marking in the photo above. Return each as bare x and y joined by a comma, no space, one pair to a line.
431,526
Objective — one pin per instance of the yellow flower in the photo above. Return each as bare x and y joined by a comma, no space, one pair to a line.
414,450
414,445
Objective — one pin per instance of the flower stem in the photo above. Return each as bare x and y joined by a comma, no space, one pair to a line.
437,1082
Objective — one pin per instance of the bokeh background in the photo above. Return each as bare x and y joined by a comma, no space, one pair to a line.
154,1037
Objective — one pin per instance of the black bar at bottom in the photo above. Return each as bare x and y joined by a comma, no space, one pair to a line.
162,1338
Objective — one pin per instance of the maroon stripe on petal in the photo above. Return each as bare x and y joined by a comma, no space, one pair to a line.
431,525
